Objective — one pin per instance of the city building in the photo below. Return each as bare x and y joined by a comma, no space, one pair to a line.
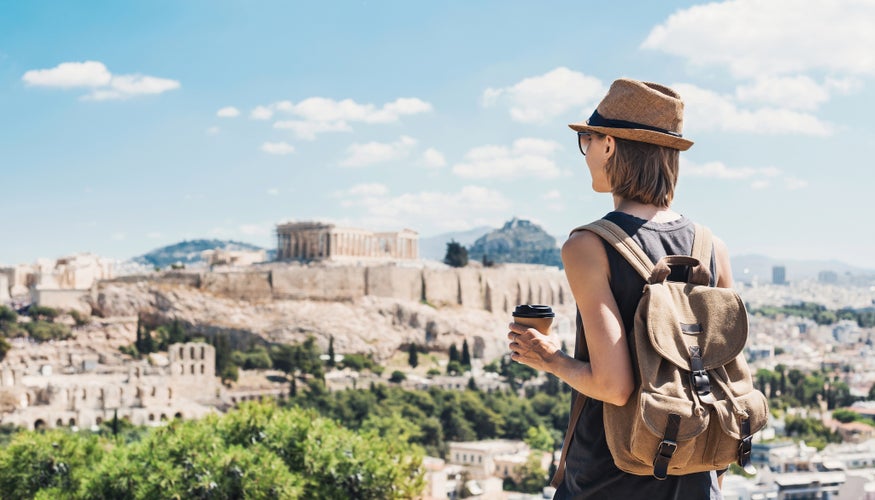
319,241
779,275
68,386
828,277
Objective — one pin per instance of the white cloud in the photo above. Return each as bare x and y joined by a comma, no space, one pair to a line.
707,110
255,229
119,236
360,155
154,235
70,75
308,130
366,190
434,158
526,157
228,112
759,178
95,75
273,191
213,130
278,148
126,86
316,115
775,37
552,195
444,211
261,113
797,92
540,99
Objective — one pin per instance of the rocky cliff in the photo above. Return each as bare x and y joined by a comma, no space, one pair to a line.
517,241
367,309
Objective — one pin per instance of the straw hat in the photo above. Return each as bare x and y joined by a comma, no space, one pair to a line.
639,111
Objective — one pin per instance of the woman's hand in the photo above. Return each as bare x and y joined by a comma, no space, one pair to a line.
532,348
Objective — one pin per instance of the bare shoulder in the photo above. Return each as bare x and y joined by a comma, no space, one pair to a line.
724,265
584,250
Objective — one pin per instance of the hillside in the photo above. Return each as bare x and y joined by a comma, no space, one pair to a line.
435,247
520,241
189,252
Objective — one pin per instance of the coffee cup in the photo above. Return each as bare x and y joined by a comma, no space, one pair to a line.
539,317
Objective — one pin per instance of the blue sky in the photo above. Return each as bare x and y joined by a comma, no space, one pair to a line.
125,126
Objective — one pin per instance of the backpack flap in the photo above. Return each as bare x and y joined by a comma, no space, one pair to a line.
681,315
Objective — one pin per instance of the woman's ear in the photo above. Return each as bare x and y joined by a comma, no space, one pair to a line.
610,146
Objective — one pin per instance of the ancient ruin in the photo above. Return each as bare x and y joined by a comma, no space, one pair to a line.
58,386
319,241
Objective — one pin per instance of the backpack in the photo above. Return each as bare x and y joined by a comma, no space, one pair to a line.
694,407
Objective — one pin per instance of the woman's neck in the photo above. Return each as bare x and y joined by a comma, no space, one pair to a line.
645,211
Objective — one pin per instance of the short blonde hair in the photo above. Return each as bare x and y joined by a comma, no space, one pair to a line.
643,172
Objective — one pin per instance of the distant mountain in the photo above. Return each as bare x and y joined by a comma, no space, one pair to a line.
435,247
189,252
746,268
519,241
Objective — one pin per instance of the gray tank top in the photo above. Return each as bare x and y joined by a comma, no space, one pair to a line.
590,471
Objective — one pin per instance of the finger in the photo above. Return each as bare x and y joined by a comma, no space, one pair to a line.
512,335
518,328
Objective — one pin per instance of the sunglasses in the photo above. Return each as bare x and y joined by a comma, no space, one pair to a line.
584,139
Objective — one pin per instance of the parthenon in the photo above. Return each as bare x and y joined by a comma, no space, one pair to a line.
319,241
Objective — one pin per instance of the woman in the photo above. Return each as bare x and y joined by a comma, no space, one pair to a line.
632,144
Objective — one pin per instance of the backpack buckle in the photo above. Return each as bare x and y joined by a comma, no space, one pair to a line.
663,456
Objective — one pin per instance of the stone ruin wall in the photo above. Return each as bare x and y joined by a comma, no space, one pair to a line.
492,289
144,395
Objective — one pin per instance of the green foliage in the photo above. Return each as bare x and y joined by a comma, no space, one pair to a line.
42,313
43,331
457,254
397,377
455,368
80,319
865,317
454,353
34,461
358,362
7,315
256,358
811,430
5,346
330,361
540,438
533,477
257,451
413,355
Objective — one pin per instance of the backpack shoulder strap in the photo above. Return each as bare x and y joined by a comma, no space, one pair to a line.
623,243
703,246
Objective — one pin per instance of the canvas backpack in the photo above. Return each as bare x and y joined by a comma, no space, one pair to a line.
694,407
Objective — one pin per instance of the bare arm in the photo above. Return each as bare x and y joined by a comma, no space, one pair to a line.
724,268
608,375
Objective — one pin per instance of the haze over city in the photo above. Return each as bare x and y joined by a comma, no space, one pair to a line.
128,126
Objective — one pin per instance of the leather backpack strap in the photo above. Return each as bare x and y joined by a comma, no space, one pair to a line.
703,246
623,244
576,411
580,352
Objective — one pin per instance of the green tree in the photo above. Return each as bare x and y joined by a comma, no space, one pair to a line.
466,355
42,313
397,377
5,346
330,361
533,477
457,255
539,438
413,355
454,353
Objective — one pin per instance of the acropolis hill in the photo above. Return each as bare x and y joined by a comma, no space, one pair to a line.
372,308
